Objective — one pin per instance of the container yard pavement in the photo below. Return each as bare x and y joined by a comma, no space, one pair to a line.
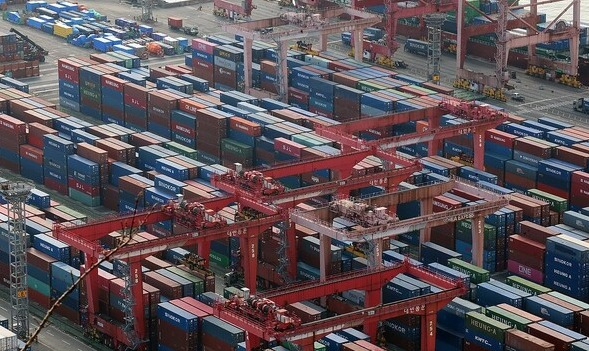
58,334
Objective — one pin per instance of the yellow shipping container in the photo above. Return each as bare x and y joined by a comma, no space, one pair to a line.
62,30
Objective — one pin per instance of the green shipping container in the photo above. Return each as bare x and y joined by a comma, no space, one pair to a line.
199,284
526,285
508,318
91,94
570,300
237,148
181,149
477,274
486,325
557,203
39,286
85,199
77,215
231,291
369,86
317,346
218,259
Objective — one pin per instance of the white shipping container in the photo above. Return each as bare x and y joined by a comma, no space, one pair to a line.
8,340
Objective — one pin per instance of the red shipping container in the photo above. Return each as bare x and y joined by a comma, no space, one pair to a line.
40,260
442,203
321,112
12,125
527,246
499,137
288,147
225,76
203,69
245,126
135,95
571,155
190,106
182,129
42,300
532,147
560,341
522,258
535,232
83,188
55,185
520,340
31,153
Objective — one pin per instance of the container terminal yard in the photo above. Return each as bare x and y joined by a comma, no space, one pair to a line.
224,176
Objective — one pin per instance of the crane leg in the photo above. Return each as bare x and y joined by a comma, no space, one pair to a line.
478,240
371,299
249,250
428,332
426,205
479,149
204,250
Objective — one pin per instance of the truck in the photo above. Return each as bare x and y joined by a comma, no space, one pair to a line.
176,23
418,47
581,105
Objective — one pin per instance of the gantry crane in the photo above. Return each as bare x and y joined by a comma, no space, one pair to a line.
306,25
479,117
259,192
507,20
369,280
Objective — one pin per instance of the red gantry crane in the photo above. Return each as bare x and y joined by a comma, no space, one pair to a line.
258,191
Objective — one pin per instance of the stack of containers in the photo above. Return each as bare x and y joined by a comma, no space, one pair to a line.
373,105
69,81
579,195
526,258
135,98
225,62
346,103
219,335
62,277
211,129
244,131
309,255
484,332
98,156
113,102
160,105
131,189
178,328
464,243
39,276
567,266
84,180
91,91
55,156
203,59
183,126
13,135
554,176
452,323
321,96
268,80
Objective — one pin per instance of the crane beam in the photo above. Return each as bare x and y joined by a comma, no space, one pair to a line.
95,230
382,121
437,133
369,279
425,306
384,231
